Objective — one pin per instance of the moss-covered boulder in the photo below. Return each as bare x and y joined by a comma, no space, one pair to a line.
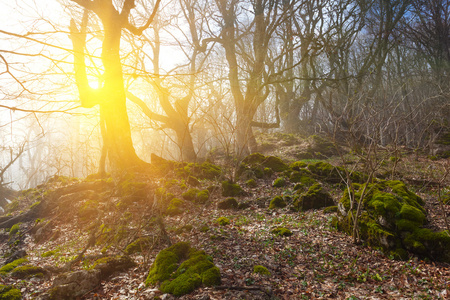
176,207
393,218
230,189
190,194
229,203
334,174
223,221
27,271
257,165
12,265
112,264
139,245
279,182
277,202
8,292
281,231
275,163
315,198
258,269
181,269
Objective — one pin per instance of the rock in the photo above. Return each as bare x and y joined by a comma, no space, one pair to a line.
75,284
314,198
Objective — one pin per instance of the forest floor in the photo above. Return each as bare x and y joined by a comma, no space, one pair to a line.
315,262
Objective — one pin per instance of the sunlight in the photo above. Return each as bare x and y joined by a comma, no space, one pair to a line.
94,84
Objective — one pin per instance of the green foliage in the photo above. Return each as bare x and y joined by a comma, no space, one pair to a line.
279,182
180,279
229,203
277,202
230,189
258,269
281,231
12,265
223,221
8,292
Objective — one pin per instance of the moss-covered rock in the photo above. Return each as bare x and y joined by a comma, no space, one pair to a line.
229,203
315,198
202,196
298,165
14,229
223,221
190,194
8,292
393,219
181,269
279,182
12,265
251,183
27,271
330,209
334,174
193,181
281,231
138,245
258,269
277,202
274,163
112,264
176,207
230,189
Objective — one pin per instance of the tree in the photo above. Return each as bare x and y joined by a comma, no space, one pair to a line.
111,96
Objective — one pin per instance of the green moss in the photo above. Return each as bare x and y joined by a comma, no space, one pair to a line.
12,265
267,172
175,207
298,165
8,292
27,271
230,189
274,163
413,214
193,181
223,221
251,183
190,195
202,196
180,279
138,245
49,253
281,231
229,203
253,159
277,202
258,269
14,229
315,198
330,209
204,228
279,182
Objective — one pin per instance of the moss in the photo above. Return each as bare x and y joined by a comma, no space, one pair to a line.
138,245
49,253
274,163
180,279
279,182
202,196
190,195
230,189
254,158
281,231
14,229
12,265
204,228
229,203
175,207
210,171
27,271
268,172
223,221
298,165
244,205
8,292
315,198
277,202
413,214
330,209
193,181
258,269
251,183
